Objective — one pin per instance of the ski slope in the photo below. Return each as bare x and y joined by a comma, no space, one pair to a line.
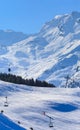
7,124
26,105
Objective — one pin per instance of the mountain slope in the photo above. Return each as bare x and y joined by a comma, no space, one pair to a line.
27,104
7,124
8,37
50,55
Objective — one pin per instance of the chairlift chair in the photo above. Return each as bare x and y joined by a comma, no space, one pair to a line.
6,103
9,69
51,123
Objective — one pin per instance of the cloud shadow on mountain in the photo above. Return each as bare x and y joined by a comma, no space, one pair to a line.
64,107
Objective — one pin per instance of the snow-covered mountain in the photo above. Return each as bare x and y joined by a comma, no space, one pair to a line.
8,37
52,54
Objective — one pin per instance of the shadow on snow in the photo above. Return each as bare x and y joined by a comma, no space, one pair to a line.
63,107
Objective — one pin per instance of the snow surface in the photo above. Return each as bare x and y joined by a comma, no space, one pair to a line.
50,55
27,104
7,124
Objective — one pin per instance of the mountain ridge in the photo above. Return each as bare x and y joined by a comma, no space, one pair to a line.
8,37
49,55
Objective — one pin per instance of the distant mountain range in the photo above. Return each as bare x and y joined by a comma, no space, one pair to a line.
53,54
8,37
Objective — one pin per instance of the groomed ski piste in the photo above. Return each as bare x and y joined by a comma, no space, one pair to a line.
39,108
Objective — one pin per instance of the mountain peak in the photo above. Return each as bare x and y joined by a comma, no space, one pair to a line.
8,30
50,55
61,25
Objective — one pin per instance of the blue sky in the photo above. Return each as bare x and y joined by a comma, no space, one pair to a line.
28,16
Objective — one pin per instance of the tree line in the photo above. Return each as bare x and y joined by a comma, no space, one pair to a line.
19,80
